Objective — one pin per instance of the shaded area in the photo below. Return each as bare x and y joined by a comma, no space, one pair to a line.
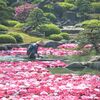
73,70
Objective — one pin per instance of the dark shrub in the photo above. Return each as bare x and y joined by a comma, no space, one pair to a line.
48,8
51,16
96,6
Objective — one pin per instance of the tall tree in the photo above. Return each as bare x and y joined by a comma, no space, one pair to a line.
91,34
83,7
5,11
36,18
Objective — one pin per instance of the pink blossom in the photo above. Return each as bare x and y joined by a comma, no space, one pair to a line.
68,46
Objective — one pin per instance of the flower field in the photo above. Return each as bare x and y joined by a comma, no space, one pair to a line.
32,81
60,51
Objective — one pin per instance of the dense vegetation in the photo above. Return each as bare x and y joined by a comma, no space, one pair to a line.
46,18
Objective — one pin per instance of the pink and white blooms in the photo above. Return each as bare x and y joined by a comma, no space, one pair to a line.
24,8
32,81
42,51
68,46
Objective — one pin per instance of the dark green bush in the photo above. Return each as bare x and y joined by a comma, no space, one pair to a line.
7,39
36,18
55,37
12,22
18,37
51,16
96,6
49,29
64,35
94,16
3,28
48,8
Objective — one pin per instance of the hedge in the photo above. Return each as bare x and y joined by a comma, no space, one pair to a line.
55,37
3,28
7,39
64,35
17,36
49,29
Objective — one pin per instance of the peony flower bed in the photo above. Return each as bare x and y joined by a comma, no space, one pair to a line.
32,81
42,51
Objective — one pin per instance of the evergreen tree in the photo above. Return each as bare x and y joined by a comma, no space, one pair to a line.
5,11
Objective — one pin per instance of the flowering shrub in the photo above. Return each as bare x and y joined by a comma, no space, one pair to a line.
68,46
22,12
22,8
88,46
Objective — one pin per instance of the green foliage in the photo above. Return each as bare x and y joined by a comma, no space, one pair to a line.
49,29
96,6
66,6
19,25
48,8
36,18
7,39
3,28
60,8
91,35
50,16
37,1
55,37
18,37
64,35
12,22
91,23
11,2
70,1
5,11
83,7
94,16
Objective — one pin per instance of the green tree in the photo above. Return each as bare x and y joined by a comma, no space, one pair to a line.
83,7
5,11
36,18
91,34
96,7
10,2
